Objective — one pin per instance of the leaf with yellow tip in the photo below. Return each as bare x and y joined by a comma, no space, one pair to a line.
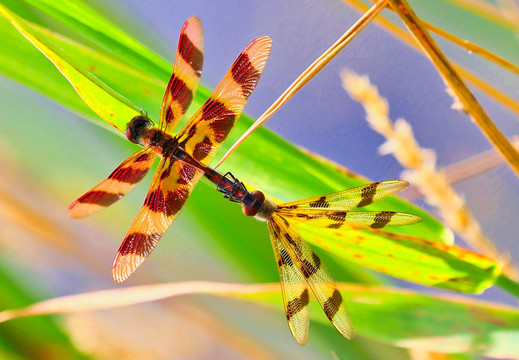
109,105
439,323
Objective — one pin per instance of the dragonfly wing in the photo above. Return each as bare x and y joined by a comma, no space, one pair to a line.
337,219
294,289
314,271
203,134
186,75
171,186
119,183
352,198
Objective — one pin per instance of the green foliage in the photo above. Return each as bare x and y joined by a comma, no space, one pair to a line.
445,324
414,259
106,67
433,323
436,271
105,102
33,338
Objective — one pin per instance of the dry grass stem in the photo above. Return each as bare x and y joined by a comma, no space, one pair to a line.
488,89
109,299
482,85
505,15
450,75
310,72
133,295
420,164
474,49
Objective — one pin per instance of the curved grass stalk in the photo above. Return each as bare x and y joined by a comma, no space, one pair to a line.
421,167
473,48
469,76
450,75
446,323
310,72
110,299
419,354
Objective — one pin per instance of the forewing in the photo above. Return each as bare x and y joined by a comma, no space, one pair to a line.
315,273
171,186
186,75
294,289
204,133
337,219
351,198
119,183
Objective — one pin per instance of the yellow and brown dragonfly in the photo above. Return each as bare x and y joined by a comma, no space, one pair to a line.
185,159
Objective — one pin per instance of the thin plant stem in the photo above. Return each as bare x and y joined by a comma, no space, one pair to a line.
473,48
475,80
450,75
311,71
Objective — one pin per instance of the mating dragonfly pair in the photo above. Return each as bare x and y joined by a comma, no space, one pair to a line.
185,159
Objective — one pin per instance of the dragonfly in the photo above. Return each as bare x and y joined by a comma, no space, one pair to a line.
299,266
183,155
185,159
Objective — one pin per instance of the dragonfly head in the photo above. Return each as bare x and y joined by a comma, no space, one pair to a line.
268,207
137,130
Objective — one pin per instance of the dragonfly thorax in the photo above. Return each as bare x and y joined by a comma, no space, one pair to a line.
264,211
137,130
268,207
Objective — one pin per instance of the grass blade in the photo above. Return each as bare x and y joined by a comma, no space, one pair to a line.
110,106
446,324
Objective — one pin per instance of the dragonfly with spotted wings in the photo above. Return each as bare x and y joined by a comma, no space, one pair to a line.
185,159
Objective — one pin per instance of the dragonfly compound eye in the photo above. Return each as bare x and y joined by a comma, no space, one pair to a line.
137,129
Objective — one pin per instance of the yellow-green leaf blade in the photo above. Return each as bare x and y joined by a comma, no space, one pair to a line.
445,324
112,107
435,323
85,20
422,261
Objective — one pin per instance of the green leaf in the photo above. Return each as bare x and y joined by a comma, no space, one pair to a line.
86,21
110,106
413,259
21,61
444,324
36,338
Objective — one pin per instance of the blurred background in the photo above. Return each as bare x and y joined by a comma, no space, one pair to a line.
51,155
